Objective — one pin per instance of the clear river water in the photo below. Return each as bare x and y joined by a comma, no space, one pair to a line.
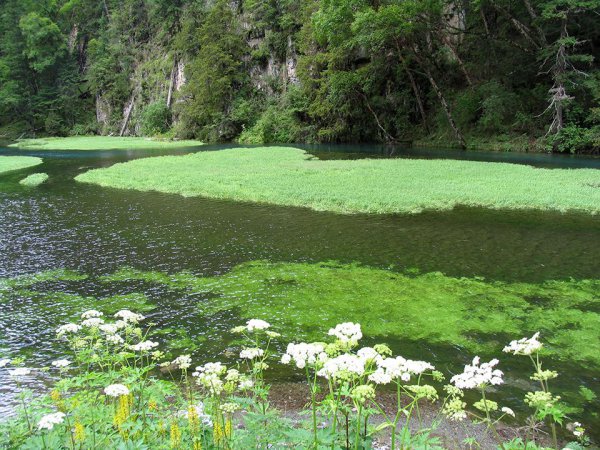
97,231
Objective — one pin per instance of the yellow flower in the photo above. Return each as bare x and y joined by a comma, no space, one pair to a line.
122,411
228,428
193,418
79,434
218,434
152,405
197,445
175,435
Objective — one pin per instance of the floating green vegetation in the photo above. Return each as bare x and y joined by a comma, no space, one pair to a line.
474,314
287,176
100,143
8,163
35,179
24,281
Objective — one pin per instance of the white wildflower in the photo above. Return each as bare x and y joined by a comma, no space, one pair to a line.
525,346
61,363
183,362
129,317
369,354
144,346
476,375
347,332
92,313
48,421
213,368
92,322
116,390
251,353
68,328
114,339
4,362
398,369
342,367
302,354
108,328
257,324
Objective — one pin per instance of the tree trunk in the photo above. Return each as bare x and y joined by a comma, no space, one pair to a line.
414,86
127,112
459,137
171,84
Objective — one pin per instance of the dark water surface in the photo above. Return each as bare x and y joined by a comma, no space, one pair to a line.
96,231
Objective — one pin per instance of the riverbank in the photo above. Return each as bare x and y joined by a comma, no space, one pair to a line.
9,163
100,143
292,177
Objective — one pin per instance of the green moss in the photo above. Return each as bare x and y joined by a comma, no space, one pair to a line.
287,176
100,143
29,280
472,314
8,163
33,180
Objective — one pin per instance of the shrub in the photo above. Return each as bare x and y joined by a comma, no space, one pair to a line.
156,119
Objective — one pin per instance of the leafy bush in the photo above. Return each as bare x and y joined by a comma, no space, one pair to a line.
156,119
575,139
108,394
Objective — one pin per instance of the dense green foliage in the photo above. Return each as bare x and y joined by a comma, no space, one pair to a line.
287,176
447,71
8,163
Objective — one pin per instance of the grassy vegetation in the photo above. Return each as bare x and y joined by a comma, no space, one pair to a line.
287,176
100,143
473,314
8,163
35,179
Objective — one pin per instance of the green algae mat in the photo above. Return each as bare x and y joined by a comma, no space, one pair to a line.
100,143
291,177
9,163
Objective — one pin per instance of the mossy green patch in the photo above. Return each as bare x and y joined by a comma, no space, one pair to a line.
24,281
302,300
100,143
35,179
287,176
8,163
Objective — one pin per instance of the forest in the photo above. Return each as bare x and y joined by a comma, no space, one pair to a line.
506,74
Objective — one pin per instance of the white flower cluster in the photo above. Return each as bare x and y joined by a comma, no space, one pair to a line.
92,322
92,313
48,421
302,354
347,332
476,375
116,390
61,363
144,346
257,324
183,362
398,368
525,346
67,328
109,328
251,353
209,376
345,366
128,316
